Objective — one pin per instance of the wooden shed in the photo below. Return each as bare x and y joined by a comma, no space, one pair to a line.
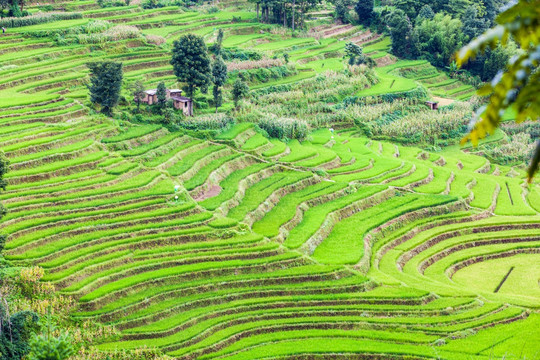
433,105
184,103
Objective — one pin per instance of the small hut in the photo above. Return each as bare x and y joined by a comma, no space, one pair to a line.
433,105
179,101
184,103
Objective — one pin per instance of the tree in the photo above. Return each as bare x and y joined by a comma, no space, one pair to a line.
492,9
4,168
439,39
456,8
137,90
15,10
219,74
161,93
410,7
239,91
519,84
425,13
496,59
354,53
105,84
404,39
15,333
48,347
473,25
341,11
191,63
454,69
219,42
364,9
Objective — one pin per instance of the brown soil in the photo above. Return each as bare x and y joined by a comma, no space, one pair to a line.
214,190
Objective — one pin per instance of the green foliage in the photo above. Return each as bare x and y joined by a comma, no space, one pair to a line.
284,128
518,86
4,168
137,91
191,63
425,13
15,332
132,133
229,54
49,347
161,94
364,9
219,43
404,38
240,90
105,84
341,11
40,18
473,24
219,75
439,38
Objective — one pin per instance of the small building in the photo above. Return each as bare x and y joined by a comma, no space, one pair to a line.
179,101
433,105
184,103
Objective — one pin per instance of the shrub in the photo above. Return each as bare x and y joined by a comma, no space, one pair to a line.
284,128
119,32
254,64
238,54
206,122
155,39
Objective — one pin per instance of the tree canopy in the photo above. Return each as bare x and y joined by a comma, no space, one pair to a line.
518,85
364,9
239,91
191,63
105,84
219,75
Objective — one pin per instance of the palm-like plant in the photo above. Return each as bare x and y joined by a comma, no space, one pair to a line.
454,69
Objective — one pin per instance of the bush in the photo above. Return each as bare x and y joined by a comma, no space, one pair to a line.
284,128
263,75
119,32
238,54
155,4
207,122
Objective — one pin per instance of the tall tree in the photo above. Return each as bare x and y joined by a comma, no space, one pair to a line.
410,7
354,53
239,91
49,347
105,84
137,90
15,333
473,25
341,11
191,63
364,9
219,74
404,40
161,93
518,85
425,13
4,168
456,8
440,38
219,42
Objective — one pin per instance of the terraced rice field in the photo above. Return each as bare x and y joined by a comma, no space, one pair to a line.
337,247
264,260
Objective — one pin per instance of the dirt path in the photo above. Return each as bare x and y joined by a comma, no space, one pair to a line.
443,101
